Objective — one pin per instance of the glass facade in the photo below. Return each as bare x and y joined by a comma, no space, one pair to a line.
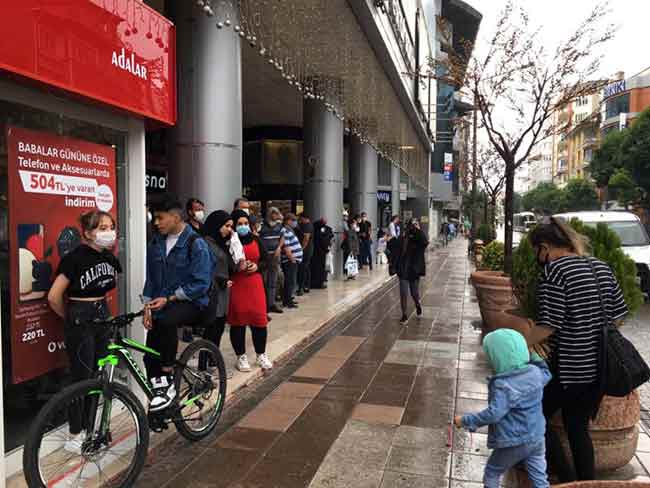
23,400
617,105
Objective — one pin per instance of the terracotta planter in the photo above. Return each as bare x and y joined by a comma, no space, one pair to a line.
495,299
615,434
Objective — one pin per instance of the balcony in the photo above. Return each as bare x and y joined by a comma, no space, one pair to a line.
562,167
589,143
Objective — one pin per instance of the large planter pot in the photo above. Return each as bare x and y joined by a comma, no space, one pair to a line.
614,432
495,299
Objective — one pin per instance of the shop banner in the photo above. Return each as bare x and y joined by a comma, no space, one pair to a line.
52,181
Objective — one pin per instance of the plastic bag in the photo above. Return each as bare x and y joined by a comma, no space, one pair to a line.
352,267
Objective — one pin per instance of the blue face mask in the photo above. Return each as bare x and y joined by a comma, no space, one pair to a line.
243,230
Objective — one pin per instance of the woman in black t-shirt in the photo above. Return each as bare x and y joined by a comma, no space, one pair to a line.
78,295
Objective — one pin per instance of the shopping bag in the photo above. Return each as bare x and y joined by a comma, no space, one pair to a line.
352,267
329,263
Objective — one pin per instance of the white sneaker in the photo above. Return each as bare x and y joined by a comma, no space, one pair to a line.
75,442
164,393
264,362
243,364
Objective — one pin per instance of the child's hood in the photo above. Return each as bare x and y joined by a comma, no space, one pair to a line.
507,350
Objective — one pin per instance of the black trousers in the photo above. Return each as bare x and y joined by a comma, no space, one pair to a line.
304,271
404,287
84,344
318,274
163,337
238,339
290,271
578,403
366,253
214,331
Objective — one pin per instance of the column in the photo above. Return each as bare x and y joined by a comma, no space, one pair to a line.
394,183
363,179
207,139
323,157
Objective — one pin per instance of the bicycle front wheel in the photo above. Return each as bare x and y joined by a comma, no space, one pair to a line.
200,380
110,449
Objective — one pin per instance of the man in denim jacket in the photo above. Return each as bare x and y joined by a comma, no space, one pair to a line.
514,414
179,274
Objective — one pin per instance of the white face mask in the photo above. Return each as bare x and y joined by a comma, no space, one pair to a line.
199,215
149,217
246,211
105,239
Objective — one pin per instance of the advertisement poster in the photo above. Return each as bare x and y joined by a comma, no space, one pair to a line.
52,181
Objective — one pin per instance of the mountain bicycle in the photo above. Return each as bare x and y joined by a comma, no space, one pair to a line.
113,448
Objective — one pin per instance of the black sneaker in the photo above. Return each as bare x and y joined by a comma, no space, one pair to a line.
404,319
276,309
418,310
299,293
164,393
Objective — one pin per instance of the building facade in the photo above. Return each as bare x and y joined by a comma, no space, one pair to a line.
623,99
540,164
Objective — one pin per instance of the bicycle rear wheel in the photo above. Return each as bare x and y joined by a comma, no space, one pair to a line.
200,382
114,458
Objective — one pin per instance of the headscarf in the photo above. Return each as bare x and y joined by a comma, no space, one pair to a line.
236,215
212,228
507,350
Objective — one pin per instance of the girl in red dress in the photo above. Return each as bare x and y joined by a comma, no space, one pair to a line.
247,298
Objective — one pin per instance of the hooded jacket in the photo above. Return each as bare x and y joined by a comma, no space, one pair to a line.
514,415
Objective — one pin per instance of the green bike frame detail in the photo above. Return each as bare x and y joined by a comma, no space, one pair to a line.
119,351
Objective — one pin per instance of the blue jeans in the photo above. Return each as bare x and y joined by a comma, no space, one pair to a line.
501,460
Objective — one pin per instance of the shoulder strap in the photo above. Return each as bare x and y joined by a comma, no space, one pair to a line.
600,293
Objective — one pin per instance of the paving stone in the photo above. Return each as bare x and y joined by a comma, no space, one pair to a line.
427,462
404,480
472,443
378,414
341,347
320,367
247,439
420,438
468,467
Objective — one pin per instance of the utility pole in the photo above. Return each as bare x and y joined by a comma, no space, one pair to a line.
474,173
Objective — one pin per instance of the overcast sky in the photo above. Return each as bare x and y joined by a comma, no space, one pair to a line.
627,52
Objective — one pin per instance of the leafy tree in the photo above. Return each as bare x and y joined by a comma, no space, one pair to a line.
635,150
578,195
607,158
470,205
624,187
544,198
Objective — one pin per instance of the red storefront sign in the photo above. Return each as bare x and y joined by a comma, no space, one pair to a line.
52,181
119,52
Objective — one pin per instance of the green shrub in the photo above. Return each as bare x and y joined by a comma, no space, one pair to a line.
486,233
525,276
493,256
604,245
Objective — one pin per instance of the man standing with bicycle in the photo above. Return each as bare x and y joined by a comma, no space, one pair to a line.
179,273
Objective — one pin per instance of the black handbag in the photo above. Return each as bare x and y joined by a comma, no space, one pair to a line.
622,369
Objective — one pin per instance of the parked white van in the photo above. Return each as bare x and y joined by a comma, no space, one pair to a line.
633,235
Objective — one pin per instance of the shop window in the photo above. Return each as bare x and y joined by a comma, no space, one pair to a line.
24,396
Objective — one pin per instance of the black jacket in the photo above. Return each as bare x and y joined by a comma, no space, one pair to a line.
406,255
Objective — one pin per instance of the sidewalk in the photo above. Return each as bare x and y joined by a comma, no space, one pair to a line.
369,407
293,328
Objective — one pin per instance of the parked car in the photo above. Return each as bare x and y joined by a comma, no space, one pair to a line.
634,238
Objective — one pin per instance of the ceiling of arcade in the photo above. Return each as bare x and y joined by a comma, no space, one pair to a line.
293,49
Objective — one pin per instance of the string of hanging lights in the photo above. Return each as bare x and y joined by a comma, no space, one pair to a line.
318,47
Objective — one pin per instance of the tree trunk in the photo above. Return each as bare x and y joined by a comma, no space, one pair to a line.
509,212
486,210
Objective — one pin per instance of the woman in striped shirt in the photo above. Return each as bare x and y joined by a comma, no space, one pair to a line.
569,311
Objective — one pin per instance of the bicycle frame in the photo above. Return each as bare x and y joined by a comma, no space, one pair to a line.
120,350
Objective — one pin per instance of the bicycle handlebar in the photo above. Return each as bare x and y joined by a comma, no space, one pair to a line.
120,320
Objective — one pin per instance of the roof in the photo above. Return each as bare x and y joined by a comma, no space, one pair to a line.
596,216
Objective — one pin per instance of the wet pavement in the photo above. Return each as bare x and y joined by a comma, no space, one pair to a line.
367,404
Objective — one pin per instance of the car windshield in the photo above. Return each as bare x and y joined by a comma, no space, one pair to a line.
631,233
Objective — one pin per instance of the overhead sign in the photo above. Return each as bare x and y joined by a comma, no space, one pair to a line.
384,196
449,158
614,89
120,53
52,181
155,181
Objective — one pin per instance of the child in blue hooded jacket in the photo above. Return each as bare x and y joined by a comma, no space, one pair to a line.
514,414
